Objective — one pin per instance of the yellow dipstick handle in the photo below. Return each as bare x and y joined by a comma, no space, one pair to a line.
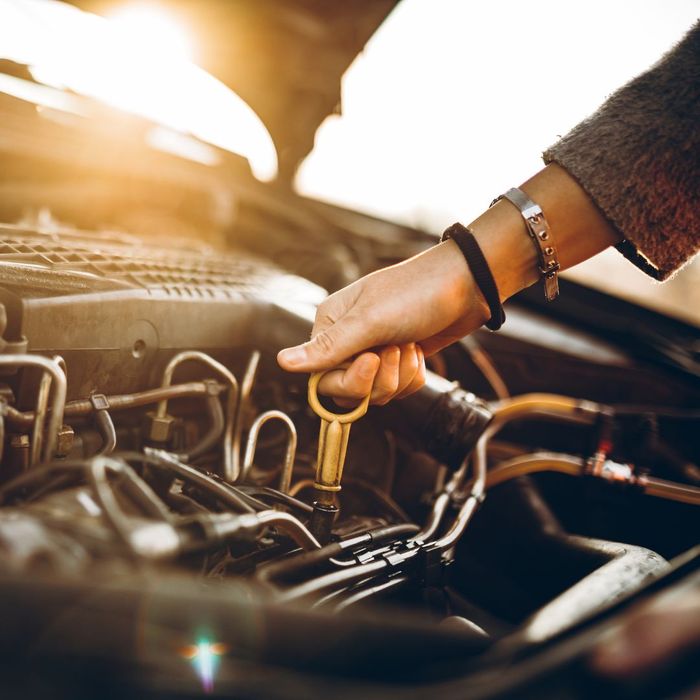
333,437
332,449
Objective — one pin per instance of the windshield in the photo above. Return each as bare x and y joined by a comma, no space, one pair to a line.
452,103
106,59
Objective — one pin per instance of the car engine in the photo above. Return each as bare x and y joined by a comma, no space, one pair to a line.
160,502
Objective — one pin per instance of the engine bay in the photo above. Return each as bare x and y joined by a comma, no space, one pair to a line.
160,480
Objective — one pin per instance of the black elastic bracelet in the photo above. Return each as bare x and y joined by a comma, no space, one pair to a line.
480,270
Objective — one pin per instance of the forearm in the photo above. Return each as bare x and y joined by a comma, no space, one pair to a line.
578,227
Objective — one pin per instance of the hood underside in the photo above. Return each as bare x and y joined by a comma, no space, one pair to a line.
285,59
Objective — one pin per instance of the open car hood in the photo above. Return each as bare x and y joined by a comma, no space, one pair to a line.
285,59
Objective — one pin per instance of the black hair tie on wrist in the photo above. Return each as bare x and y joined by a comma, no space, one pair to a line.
480,270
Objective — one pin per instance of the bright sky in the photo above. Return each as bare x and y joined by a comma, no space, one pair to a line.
453,101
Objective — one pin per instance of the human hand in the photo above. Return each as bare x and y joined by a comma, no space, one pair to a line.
387,323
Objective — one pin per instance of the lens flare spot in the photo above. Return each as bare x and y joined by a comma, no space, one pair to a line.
204,656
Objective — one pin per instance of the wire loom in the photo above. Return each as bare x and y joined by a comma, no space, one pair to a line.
133,492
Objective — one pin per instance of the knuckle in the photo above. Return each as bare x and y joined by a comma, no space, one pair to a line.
323,311
324,342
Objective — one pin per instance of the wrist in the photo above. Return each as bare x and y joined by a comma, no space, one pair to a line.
459,290
578,228
500,232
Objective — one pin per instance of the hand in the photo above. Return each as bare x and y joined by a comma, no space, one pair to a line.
387,323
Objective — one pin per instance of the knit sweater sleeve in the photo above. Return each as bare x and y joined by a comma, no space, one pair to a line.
638,158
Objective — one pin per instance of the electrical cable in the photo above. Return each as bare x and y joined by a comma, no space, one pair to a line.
169,462
372,590
344,576
104,496
328,553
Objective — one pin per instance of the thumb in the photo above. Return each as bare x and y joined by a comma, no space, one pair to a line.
327,349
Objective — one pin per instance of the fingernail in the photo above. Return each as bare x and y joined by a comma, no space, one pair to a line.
292,356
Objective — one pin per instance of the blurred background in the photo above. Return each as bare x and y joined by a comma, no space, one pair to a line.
448,104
